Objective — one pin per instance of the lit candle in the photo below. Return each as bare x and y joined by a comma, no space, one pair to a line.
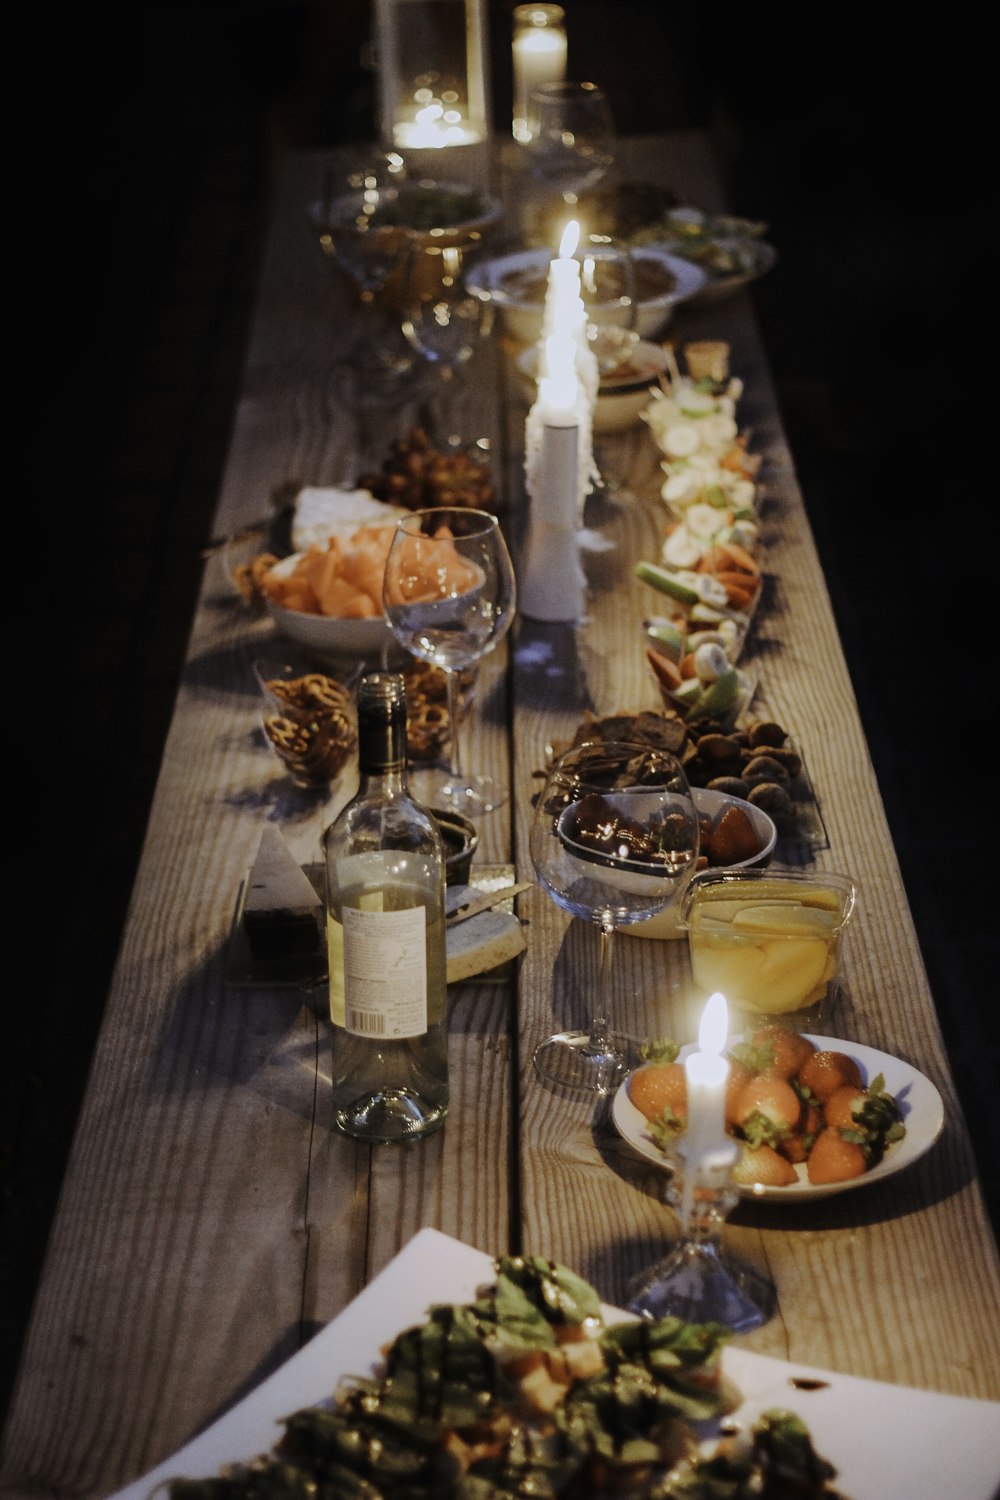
539,56
551,583
707,1073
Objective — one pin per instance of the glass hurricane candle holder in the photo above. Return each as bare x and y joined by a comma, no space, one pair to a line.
539,56
432,77
699,1280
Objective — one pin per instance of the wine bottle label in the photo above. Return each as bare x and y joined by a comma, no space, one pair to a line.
385,973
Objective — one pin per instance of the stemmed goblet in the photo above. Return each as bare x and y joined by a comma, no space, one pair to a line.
443,321
572,148
353,222
610,300
449,594
613,839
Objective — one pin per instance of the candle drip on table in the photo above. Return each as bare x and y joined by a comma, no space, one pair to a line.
699,1280
559,461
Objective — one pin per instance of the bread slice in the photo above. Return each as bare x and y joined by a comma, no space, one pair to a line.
282,914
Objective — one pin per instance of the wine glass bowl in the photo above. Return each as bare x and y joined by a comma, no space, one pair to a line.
442,320
448,595
352,222
572,148
608,287
613,840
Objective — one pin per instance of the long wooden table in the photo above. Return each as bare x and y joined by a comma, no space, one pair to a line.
211,1221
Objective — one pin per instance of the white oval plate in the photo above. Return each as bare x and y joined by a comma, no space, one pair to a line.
920,1103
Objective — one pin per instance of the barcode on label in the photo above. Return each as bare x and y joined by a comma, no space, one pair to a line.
365,1023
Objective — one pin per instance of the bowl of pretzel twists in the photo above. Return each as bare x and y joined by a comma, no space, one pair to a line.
308,716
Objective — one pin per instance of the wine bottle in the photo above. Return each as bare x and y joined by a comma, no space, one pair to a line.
386,938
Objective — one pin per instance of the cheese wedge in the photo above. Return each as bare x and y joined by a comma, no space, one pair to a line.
481,943
281,911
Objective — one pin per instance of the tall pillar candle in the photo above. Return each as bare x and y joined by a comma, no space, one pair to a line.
551,584
707,1073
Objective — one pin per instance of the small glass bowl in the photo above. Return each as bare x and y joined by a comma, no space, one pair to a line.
461,840
308,719
769,940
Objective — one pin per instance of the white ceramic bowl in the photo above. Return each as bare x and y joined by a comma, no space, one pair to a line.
712,804
330,636
515,284
619,401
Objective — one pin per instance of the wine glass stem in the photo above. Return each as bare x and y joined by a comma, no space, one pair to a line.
454,716
600,1026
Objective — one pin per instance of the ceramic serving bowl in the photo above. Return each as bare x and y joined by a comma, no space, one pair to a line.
711,805
331,636
515,284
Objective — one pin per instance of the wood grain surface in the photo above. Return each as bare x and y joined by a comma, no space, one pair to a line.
210,1220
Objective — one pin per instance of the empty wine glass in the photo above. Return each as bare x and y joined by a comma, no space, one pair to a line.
353,220
613,840
610,300
443,320
573,145
449,594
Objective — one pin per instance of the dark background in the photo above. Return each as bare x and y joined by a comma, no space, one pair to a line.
139,173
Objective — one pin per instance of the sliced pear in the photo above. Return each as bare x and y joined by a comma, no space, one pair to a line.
790,970
783,916
721,696
668,637
666,582
734,971
719,908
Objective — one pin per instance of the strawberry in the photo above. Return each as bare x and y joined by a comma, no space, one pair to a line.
733,838
798,1146
839,1109
658,1089
834,1159
764,1166
767,1109
825,1071
739,1076
781,1052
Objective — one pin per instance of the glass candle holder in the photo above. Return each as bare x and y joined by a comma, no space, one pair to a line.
432,76
539,55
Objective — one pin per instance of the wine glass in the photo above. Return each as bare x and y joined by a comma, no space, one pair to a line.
613,840
573,145
443,321
610,300
353,222
449,594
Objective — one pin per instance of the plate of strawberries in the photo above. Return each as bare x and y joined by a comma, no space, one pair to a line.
813,1115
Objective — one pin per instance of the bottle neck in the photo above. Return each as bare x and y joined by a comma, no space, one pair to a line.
382,783
382,753
382,734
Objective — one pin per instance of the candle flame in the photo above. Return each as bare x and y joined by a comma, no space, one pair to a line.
570,240
714,1025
